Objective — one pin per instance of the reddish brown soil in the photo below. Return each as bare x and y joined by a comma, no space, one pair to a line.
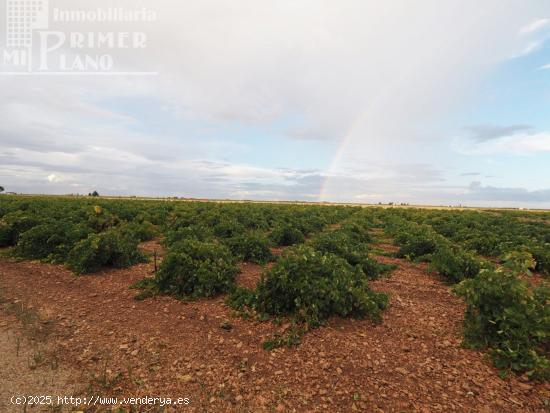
250,274
412,361
277,250
387,247
150,247
536,279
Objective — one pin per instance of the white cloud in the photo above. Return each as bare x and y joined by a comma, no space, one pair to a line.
536,34
529,48
370,74
337,67
535,26
53,178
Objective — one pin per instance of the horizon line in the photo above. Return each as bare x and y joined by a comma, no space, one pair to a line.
295,202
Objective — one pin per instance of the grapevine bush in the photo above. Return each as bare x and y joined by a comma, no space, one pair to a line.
314,286
416,242
511,319
196,269
228,228
51,241
141,231
110,248
357,229
542,259
349,245
252,247
13,224
197,232
454,263
99,219
286,234
485,244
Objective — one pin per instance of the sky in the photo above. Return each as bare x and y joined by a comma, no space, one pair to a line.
424,102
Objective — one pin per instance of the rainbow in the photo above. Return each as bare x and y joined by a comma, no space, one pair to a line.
375,104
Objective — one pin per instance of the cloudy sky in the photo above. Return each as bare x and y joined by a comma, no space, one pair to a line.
424,102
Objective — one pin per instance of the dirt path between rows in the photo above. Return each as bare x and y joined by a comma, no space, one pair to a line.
411,362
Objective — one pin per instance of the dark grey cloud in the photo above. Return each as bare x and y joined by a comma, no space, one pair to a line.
484,133
11,160
477,192
38,139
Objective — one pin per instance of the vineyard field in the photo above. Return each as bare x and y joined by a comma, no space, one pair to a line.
282,307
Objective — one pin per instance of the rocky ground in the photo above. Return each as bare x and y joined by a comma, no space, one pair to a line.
107,343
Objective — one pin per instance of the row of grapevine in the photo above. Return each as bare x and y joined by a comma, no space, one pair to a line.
504,313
